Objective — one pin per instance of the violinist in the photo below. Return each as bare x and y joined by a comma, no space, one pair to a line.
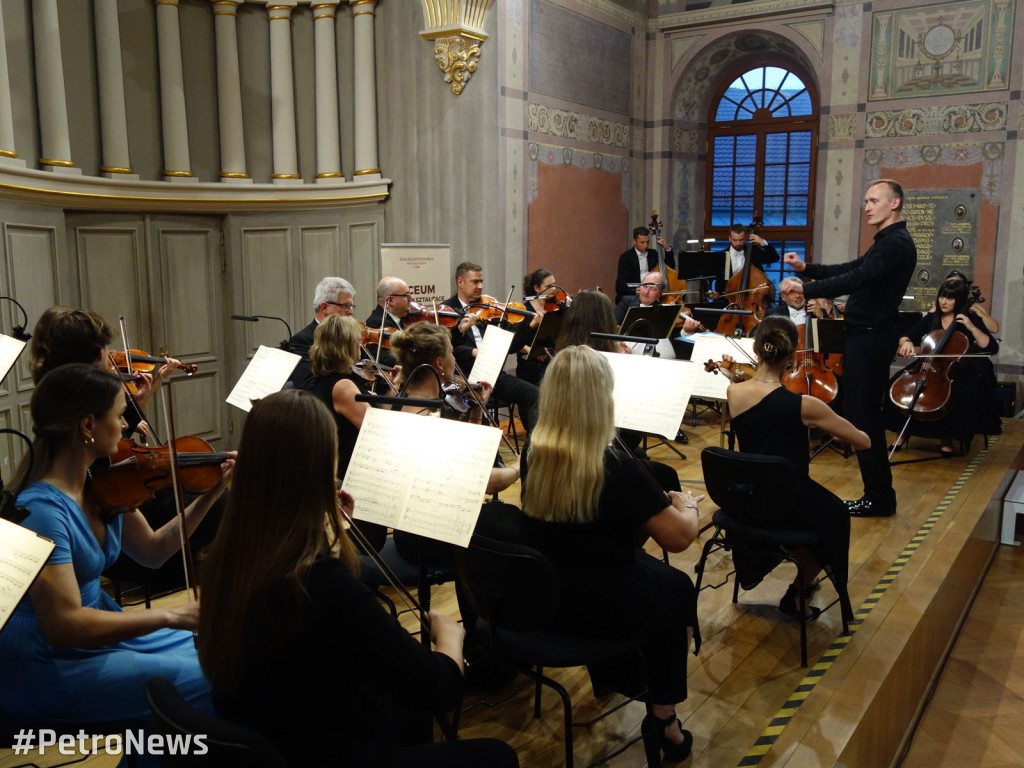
649,294
69,653
294,644
64,335
333,296
466,337
393,303
539,283
974,405
769,419
638,261
876,283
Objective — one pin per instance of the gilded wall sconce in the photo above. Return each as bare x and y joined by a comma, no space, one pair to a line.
457,29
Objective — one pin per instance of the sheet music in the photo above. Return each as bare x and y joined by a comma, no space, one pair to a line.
10,350
711,346
396,482
490,355
266,373
23,553
650,394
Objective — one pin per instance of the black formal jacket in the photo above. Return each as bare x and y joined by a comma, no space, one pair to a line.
463,344
302,376
629,270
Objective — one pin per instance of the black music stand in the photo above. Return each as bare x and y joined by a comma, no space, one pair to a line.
546,335
827,337
659,318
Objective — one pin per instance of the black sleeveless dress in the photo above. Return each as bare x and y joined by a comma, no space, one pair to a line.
773,427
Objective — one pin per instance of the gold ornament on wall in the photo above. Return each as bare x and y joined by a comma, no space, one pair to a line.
457,30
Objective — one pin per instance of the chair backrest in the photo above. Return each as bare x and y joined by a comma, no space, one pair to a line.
753,488
229,745
512,586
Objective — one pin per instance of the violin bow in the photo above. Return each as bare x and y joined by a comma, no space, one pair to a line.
123,326
167,401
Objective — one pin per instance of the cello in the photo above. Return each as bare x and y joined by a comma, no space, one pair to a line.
748,289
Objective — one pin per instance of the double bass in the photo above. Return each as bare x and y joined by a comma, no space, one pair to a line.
749,289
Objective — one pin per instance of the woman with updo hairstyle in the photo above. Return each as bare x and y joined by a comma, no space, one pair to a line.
537,283
69,654
974,405
768,419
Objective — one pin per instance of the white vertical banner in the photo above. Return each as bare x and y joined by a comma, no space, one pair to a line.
425,267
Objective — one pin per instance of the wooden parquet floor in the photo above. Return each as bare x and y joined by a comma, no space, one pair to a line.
749,666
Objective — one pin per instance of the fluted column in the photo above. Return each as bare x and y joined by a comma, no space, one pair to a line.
172,93
7,153
365,87
328,139
282,95
229,93
113,119
53,107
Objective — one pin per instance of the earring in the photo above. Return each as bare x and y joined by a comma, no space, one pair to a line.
90,440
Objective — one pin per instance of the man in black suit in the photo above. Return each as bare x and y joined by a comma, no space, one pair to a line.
333,296
651,289
793,305
638,261
469,283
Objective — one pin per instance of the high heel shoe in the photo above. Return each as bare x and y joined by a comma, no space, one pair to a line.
788,604
673,752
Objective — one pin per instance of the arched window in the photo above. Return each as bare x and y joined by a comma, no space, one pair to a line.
762,137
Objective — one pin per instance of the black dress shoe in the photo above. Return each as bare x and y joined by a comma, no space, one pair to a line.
871,508
681,437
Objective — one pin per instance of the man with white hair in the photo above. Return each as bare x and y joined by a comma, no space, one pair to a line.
333,296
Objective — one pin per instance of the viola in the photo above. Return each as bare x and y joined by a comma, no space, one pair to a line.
734,371
490,310
461,395
749,289
923,390
370,370
809,375
137,472
442,315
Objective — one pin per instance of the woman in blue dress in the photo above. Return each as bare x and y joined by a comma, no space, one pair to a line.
68,652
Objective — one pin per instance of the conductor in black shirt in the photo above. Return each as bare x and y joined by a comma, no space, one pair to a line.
876,283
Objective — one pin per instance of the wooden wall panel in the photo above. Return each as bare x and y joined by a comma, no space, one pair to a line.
112,274
32,278
267,266
321,253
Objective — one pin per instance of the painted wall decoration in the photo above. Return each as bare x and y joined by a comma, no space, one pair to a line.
575,125
941,49
943,120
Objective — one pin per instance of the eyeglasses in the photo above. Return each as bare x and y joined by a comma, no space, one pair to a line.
346,307
651,285
399,295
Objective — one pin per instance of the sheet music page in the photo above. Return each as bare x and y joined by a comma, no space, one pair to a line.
490,355
10,350
650,394
397,483
23,553
266,373
711,346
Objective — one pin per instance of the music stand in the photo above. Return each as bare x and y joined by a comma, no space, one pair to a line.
827,337
546,335
660,319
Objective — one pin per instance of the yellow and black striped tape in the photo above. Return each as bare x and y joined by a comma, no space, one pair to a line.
785,713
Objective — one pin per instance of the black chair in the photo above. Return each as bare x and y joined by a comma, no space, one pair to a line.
494,405
513,589
752,492
229,745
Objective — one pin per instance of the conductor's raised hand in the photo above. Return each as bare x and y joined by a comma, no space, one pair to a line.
793,261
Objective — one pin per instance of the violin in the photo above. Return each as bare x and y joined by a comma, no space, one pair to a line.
748,289
138,362
732,370
137,472
809,375
442,315
377,336
555,299
461,395
370,370
490,310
